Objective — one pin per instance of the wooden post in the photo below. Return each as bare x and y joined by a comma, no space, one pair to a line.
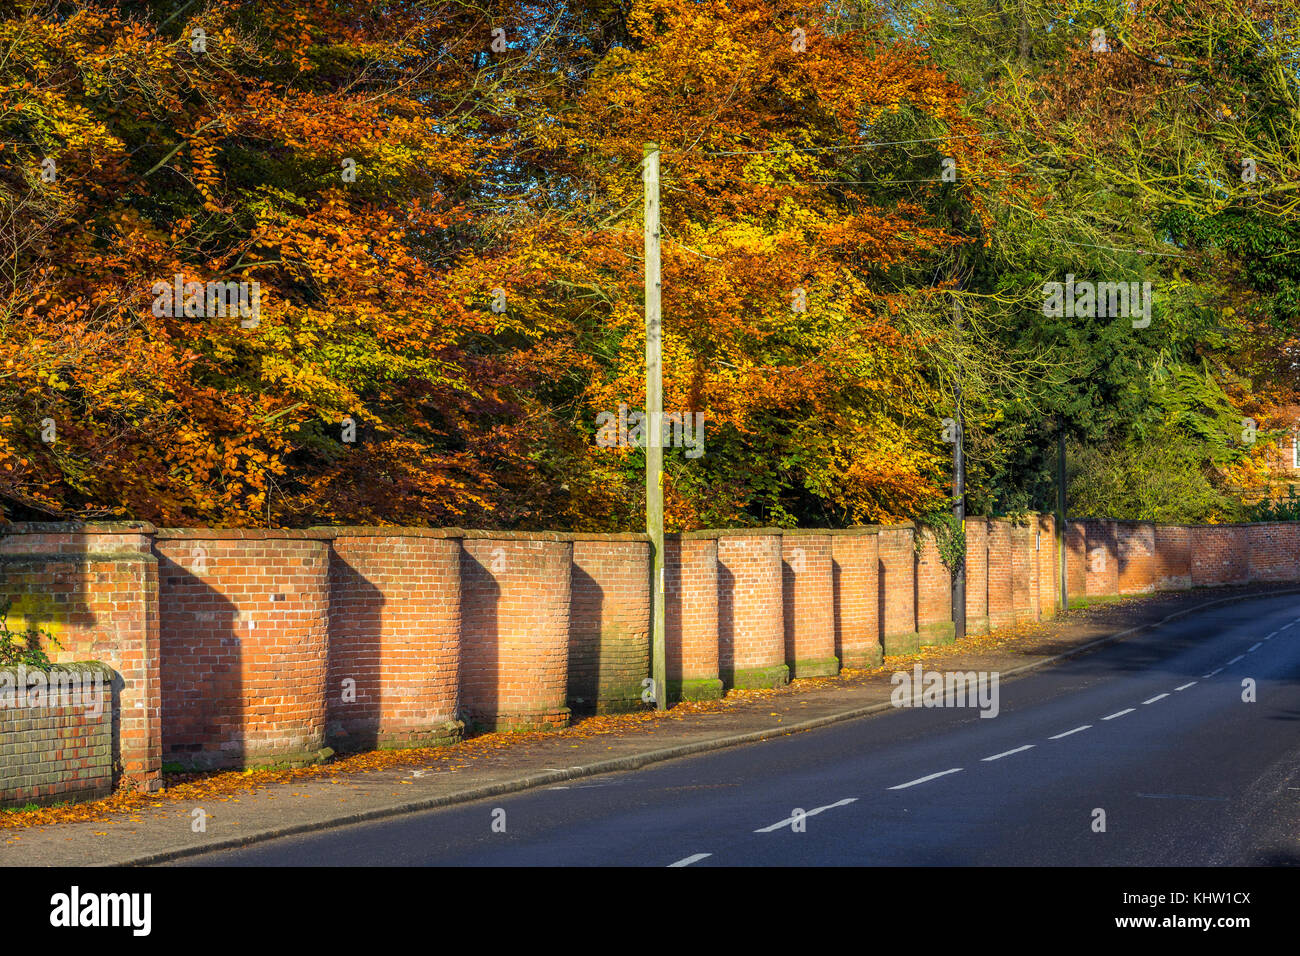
654,412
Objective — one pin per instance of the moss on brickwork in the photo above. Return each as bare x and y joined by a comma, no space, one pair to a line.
815,667
864,658
444,735
940,632
977,625
757,678
905,642
700,688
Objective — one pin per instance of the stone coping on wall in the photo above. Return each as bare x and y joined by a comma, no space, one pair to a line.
69,667
77,527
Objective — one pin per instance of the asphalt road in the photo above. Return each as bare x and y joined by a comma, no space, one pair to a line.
1152,730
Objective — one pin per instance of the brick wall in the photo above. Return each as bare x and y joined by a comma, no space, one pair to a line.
1102,574
1047,569
609,625
244,646
809,605
394,639
855,580
1001,594
514,652
1173,557
751,618
1024,570
56,734
691,616
1076,561
95,588
1219,555
239,647
897,581
977,576
1273,550
933,592
1135,545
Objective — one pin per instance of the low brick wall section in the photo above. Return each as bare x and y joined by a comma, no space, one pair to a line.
751,611
514,651
856,584
691,616
394,639
609,623
56,733
808,583
244,646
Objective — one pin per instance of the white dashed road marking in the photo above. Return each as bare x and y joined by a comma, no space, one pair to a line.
1211,673
810,813
1068,732
1155,698
1127,710
694,858
933,776
1008,753
1239,657
1187,685
1255,648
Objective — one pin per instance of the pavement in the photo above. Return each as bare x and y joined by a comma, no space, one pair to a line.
1096,712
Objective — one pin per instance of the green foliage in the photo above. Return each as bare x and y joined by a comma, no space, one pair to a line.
949,536
1282,509
23,647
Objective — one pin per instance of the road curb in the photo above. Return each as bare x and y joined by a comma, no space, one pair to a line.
637,761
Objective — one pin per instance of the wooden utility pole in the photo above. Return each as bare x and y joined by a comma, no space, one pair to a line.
959,491
654,416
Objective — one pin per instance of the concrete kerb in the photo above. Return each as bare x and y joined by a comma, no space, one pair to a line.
637,761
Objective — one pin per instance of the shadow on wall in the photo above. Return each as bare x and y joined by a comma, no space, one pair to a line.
587,600
480,693
354,694
726,625
201,665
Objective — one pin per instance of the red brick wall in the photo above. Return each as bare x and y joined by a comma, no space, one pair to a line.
977,576
1173,557
1103,559
609,625
514,649
1219,555
96,590
1048,574
1274,551
933,592
691,607
1076,560
505,627
856,581
1135,544
897,569
394,629
244,628
751,630
808,605
1002,609
1024,566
